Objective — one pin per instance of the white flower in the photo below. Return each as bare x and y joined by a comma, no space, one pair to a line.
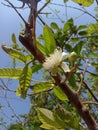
54,60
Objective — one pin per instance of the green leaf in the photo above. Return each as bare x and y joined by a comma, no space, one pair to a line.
47,119
60,94
66,119
94,55
68,25
68,47
72,81
29,57
36,67
50,43
95,64
12,73
78,47
82,33
84,2
82,27
54,26
65,1
75,40
41,47
14,53
24,82
13,38
41,86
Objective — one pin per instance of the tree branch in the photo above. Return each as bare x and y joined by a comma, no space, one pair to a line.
29,42
75,100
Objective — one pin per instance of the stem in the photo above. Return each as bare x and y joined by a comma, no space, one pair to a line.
75,100
71,94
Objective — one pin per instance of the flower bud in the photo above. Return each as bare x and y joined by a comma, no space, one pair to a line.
72,57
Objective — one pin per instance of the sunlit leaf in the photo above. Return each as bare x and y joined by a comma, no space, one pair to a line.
42,86
94,55
29,57
50,43
14,53
36,68
82,27
13,73
59,93
54,26
41,47
66,119
24,82
68,25
47,118
84,2
13,38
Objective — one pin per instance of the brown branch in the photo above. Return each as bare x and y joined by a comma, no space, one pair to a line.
75,100
29,42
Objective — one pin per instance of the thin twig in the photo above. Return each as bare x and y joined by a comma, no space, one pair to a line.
90,102
9,105
16,11
85,11
43,7
86,86
89,72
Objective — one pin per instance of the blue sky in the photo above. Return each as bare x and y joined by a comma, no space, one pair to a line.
10,23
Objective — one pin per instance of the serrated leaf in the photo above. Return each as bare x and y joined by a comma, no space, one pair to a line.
12,73
60,94
13,38
50,43
84,2
78,47
14,53
24,82
41,86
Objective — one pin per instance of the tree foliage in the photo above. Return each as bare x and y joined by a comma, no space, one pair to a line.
60,100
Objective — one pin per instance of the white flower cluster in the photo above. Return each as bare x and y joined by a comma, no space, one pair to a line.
56,59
